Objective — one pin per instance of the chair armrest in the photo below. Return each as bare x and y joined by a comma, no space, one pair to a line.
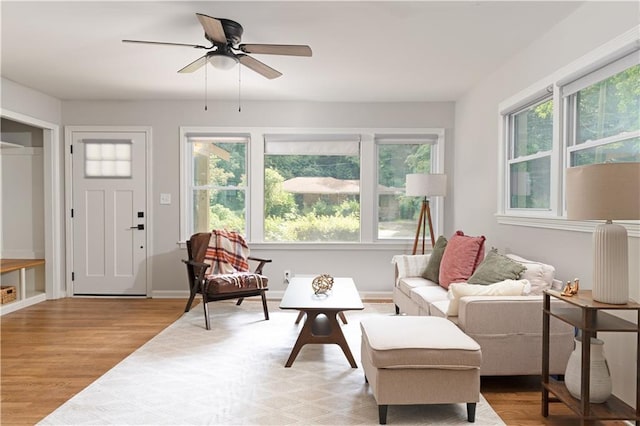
261,263
196,264
198,269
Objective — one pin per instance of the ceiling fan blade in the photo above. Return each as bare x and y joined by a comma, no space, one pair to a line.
195,65
277,49
258,67
213,28
166,43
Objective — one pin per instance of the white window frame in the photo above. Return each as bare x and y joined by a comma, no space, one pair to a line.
436,139
186,174
562,79
255,179
540,96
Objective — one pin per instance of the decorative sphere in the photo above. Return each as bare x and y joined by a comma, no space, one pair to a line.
322,283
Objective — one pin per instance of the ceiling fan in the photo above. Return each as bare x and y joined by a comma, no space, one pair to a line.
226,51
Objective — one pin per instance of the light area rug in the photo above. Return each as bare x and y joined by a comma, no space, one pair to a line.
234,375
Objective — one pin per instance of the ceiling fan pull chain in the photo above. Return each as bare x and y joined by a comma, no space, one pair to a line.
239,84
205,86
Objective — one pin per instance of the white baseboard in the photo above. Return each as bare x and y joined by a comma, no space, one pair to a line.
170,294
19,304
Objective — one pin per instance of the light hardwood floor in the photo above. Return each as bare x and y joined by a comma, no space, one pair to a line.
53,350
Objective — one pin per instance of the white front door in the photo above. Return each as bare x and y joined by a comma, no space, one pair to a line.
109,217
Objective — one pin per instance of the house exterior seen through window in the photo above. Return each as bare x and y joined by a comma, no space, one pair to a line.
312,188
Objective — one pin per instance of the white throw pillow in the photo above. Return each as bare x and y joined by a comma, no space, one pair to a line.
540,275
502,288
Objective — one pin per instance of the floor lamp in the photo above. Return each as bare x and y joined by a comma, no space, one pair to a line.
425,185
608,191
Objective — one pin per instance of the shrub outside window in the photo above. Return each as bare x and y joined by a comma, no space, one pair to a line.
530,138
312,188
397,213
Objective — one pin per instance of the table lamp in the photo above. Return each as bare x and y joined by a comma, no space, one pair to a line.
425,185
607,191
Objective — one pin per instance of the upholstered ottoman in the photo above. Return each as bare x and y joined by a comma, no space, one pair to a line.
420,360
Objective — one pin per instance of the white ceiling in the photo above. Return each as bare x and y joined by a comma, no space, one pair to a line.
362,51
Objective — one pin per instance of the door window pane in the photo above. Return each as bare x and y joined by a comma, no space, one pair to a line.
107,159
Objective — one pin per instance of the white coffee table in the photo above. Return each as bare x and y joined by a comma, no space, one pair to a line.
321,325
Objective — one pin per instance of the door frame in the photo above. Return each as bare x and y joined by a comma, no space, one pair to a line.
68,189
55,288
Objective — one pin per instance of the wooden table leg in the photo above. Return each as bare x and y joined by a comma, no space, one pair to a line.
321,328
342,317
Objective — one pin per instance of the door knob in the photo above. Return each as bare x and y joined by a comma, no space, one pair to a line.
140,227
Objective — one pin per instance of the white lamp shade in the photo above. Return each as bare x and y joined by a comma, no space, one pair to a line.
223,62
424,185
608,191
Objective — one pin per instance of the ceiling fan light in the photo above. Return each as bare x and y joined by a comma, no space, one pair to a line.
223,62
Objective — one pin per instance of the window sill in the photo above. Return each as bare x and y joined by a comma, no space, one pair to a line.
399,246
633,227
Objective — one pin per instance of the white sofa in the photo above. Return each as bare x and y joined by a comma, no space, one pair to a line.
508,328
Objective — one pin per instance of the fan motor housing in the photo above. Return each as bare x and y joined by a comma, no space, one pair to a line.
232,30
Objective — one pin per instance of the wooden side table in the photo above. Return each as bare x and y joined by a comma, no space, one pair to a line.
589,317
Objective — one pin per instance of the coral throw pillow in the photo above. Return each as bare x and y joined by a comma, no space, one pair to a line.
461,257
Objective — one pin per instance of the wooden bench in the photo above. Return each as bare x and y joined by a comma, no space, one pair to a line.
10,265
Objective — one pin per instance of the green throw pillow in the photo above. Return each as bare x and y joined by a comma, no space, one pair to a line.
495,268
433,267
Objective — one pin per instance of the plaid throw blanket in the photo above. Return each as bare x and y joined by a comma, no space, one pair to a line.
227,253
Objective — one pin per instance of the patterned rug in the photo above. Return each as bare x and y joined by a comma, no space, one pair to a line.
235,375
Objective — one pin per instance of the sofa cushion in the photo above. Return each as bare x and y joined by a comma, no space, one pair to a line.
503,288
426,295
407,284
461,257
432,272
440,309
495,268
540,275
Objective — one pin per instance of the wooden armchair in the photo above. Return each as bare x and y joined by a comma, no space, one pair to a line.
218,270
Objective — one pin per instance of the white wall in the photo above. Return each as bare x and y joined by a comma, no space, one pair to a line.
370,267
22,203
37,109
476,154
23,100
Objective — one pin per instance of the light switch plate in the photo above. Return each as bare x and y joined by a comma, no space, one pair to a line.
165,198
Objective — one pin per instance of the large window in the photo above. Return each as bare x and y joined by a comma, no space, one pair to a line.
586,113
217,184
312,188
397,157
